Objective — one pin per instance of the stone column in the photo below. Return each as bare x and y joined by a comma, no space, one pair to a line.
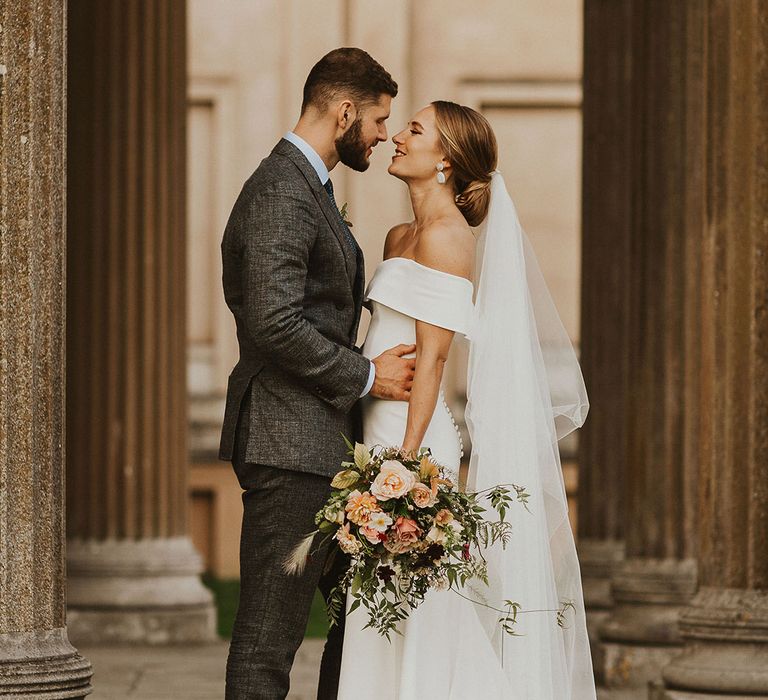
606,219
658,576
134,574
726,627
36,658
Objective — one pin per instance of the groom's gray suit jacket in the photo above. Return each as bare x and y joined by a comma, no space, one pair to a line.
295,286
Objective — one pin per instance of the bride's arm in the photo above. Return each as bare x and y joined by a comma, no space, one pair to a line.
432,345
448,248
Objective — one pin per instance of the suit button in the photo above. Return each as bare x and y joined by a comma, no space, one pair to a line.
340,305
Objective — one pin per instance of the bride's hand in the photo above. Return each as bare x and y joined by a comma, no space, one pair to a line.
394,373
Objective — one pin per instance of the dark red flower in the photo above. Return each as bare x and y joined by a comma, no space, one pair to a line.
465,551
435,552
385,573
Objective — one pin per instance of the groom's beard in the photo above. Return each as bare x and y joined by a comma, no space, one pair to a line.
351,149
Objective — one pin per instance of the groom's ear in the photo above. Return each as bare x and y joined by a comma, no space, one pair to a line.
346,114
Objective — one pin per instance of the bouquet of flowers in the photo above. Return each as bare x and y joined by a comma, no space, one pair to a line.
407,529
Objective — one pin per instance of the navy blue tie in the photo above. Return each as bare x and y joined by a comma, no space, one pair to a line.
350,238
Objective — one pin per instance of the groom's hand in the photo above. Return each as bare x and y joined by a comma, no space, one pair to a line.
394,373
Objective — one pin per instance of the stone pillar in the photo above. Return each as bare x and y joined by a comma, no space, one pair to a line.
606,219
36,658
658,576
134,574
726,627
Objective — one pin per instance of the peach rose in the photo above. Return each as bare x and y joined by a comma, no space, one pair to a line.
348,543
360,506
373,535
393,481
422,496
403,536
443,517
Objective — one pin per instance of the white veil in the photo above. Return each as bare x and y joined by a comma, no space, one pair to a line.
525,391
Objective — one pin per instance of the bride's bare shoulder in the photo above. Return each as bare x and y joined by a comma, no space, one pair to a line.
394,239
447,245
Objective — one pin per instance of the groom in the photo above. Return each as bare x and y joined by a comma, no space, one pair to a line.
294,280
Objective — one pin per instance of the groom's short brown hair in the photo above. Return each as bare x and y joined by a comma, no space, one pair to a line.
350,71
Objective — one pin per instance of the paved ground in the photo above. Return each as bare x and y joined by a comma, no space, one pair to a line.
197,673
183,673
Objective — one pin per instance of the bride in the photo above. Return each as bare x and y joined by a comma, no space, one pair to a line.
439,280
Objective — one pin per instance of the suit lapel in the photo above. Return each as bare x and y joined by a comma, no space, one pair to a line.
330,212
332,216
358,294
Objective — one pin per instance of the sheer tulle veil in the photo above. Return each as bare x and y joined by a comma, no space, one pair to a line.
525,392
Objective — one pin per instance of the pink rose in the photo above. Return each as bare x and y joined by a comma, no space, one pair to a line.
403,536
443,517
373,535
422,496
393,481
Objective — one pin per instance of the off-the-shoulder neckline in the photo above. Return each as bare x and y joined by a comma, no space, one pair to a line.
431,269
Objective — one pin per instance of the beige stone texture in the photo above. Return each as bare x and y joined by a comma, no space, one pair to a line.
36,658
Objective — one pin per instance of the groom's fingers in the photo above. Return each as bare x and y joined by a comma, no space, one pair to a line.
401,350
394,373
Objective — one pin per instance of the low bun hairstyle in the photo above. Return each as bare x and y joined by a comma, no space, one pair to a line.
470,145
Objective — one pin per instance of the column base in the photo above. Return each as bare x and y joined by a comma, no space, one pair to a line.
627,666
598,560
138,591
641,633
658,692
42,665
726,651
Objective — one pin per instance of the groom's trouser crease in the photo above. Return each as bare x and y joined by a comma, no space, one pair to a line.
278,510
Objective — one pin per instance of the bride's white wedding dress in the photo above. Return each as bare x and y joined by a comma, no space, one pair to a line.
444,651
524,392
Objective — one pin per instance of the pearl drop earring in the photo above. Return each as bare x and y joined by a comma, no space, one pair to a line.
440,174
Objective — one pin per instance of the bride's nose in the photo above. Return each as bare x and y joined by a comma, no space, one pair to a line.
396,139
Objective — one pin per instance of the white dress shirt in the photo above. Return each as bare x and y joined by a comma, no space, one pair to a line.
322,172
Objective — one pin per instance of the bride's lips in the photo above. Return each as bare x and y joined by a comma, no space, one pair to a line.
398,154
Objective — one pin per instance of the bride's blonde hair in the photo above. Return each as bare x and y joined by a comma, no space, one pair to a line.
470,145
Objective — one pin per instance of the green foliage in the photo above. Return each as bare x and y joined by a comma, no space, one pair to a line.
226,593
225,596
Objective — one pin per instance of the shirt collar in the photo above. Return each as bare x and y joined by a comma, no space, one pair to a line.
311,155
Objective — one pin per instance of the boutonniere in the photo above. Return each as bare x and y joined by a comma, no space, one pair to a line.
344,216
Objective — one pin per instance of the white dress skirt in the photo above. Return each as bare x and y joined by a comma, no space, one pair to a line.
444,650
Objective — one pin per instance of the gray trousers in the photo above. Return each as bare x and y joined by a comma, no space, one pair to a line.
279,506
